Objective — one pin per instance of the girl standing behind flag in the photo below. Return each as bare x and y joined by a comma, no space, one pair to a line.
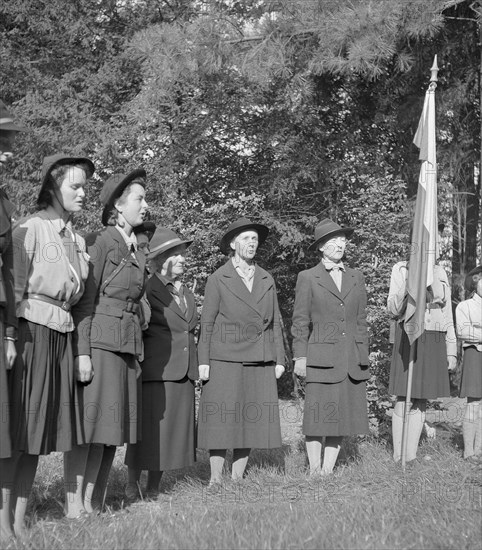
435,355
469,330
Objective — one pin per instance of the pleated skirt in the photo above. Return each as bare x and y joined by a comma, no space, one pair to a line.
106,409
471,383
430,372
42,384
168,427
5,443
337,409
239,407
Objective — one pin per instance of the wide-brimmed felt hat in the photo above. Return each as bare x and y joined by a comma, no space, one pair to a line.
164,239
6,121
52,161
114,187
326,229
472,277
237,227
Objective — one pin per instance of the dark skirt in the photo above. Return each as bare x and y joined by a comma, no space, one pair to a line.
167,440
106,409
337,409
5,444
471,384
430,370
42,384
239,408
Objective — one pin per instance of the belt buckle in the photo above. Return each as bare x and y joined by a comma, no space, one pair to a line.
65,306
129,306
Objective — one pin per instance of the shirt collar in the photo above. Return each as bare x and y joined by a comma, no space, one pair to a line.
56,221
132,240
329,265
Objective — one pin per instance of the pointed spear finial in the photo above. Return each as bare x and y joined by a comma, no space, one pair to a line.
434,70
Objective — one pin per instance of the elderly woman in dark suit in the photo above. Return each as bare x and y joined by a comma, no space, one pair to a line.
330,347
241,354
169,368
108,342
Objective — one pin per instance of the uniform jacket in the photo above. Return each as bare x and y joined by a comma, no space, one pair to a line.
107,317
238,325
7,289
169,345
330,327
438,314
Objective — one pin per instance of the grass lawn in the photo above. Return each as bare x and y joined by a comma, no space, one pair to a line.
368,503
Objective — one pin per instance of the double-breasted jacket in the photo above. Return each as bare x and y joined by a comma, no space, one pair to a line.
329,326
169,342
238,325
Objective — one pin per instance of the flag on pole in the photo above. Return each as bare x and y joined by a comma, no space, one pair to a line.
424,244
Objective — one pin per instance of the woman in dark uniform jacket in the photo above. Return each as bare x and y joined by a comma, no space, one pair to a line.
240,353
330,347
108,342
8,319
168,370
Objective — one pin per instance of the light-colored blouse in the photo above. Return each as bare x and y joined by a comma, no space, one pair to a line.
438,312
49,268
468,315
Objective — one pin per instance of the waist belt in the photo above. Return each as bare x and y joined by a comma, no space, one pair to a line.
52,301
434,306
123,305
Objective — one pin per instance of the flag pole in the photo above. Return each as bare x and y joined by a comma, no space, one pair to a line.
421,284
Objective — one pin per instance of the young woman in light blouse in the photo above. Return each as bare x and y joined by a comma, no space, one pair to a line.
51,266
469,329
436,355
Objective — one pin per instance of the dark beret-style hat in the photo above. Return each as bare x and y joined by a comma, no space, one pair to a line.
59,159
114,187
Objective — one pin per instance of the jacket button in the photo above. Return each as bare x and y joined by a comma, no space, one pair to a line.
185,332
185,349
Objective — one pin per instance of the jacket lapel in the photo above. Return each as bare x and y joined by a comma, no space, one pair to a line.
261,284
324,279
235,285
347,282
120,244
162,293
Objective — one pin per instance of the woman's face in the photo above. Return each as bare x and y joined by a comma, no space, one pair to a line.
71,193
245,244
334,248
174,265
133,207
478,288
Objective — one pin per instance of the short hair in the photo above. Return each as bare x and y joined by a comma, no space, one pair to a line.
56,177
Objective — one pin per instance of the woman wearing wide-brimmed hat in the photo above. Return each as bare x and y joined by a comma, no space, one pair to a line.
241,354
108,342
330,347
468,315
169,368
51,267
